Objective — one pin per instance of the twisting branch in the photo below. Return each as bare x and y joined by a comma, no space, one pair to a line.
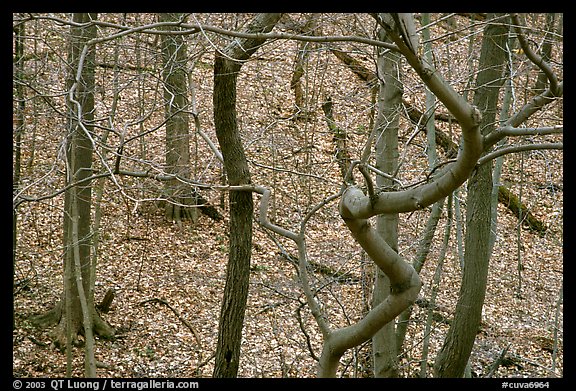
300,240
532,56
535,104
195,28
356,208
452,176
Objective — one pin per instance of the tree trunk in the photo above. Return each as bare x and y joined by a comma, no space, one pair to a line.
546,53
79,166
339,137
241,204
175,78
299,66
452,359
389,102
241,208
183,201
19,33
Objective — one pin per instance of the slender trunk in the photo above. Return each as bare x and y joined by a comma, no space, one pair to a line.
423,249
79,155
83,294
299,66
390,102
452,359
68,314
546,53
241,208
18,129
432,222
241,204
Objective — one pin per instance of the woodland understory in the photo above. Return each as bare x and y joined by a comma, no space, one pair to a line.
166,277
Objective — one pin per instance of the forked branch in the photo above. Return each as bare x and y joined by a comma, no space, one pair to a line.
356,207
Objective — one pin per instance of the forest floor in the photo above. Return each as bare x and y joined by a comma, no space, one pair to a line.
169,277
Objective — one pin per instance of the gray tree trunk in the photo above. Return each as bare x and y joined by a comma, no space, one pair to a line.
226,68
67,313
175,77
546,53
389,110
356,207
452,359
299,66
19,33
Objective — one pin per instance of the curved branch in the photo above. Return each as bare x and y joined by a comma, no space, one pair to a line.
518,148
355,204
263,218
522,115
532,56
535,104
300,240
467,115
356,208
511,131
404,286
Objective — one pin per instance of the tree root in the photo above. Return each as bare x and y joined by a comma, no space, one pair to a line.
54,317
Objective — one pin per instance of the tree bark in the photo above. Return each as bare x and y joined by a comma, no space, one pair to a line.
183,201
79,166
339,137
175,78
454,355
545,53
227,65
386,152
443,140
19,34
356,207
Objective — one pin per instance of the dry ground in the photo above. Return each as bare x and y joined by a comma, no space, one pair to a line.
151,262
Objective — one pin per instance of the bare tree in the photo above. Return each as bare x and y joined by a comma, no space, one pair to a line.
76,314
369,188
226,67
459,341
386,158
175,77
19,125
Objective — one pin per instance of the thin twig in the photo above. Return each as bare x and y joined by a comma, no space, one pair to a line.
186,323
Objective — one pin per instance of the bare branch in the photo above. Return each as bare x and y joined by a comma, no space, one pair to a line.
510,131
212,146
518,148
193,28
356,205
532,56
534,105
523,114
